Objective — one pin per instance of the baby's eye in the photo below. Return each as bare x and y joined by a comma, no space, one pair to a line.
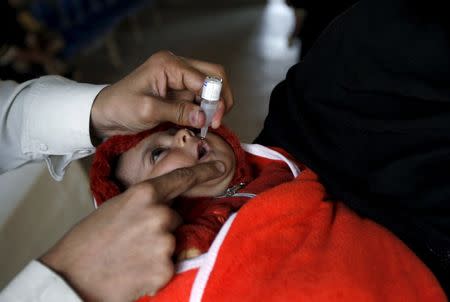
156,153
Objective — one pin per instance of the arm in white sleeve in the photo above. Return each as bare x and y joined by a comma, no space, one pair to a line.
45,119
37,283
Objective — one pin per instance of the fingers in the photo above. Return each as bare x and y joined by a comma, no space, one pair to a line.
163,218
169,186
215,70
185,73
217,118
181,75
180,113
145,97
187,76
181,95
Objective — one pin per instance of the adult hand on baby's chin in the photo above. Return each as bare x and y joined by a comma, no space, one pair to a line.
160,90
124,249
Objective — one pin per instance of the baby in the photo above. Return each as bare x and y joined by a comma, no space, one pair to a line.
123,161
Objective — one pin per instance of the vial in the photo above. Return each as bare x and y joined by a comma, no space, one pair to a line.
210,97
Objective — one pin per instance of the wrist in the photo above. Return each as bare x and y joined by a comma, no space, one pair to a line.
55,262
51,263
95,138
50,260
95,124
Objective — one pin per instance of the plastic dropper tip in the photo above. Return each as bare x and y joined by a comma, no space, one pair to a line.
203,132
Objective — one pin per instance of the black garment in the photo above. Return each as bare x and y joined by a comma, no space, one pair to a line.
369,110
319,14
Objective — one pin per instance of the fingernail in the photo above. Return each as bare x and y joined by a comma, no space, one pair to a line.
220,166
194,118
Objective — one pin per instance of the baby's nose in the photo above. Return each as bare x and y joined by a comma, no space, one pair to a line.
183,135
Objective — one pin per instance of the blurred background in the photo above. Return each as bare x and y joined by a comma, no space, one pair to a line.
100,41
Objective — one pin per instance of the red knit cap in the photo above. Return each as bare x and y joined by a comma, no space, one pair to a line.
104,184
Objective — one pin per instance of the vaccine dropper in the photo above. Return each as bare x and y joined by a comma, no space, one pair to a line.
210,98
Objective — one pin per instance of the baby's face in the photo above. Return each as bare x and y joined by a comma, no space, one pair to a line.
165,151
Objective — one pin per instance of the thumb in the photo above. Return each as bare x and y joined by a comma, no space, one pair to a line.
182,113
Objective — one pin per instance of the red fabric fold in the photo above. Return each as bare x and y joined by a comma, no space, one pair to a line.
291,243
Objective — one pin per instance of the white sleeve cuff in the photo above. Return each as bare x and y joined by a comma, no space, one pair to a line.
57,115
37,283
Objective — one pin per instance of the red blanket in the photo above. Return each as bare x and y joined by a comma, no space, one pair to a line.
292,244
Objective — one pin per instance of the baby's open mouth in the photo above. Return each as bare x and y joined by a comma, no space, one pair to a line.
202,149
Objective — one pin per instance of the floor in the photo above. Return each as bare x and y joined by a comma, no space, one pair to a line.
250,41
